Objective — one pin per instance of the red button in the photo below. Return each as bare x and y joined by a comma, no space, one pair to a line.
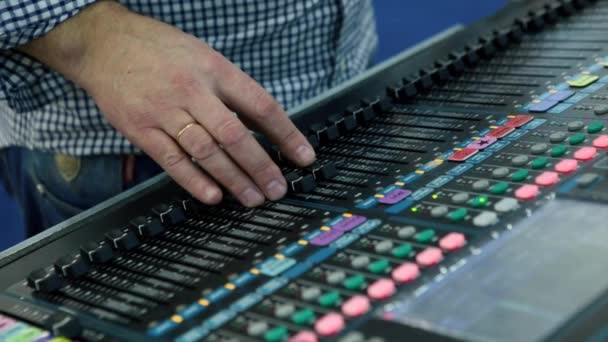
406,273
519,121
463,154
330,324
429,257
548,178
527,192
452,241
601,141
566,166
381,289
356,306
585,153
501,132
304,336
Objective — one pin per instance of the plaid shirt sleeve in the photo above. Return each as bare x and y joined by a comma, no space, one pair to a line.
24,20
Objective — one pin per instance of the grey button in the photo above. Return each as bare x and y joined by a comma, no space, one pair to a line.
485,219
354,336
284,310
335,277
481,184
439,211
586,179
558,137
311,293
575,125
360,262
506,205
539,148
460,197
520,160
257,328
500,172
406,232
383,246
600,110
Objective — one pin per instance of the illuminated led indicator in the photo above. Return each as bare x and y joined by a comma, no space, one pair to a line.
177,319
494,127
347,215
279,256
230,286
203,302
552,91
325,228
536,101
438,161
457,148
420,172
435,196
586,72
254,271
414,209
511,116
399,184
379,195
303,242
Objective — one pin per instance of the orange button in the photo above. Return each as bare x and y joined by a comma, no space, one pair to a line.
452,241
405,273
566,166
601,141
548,178
381,289
585,153
527,192
429,257
356,306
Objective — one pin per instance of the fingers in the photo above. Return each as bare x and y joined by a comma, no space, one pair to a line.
163,149
244,95
236,140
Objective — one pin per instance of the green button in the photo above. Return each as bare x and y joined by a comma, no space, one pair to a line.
355,282
379,266
499,188
458,214
559,151
479,201
277,334
595,127
329,299
402,251
303,317
519,175
539,163
577,139
425,236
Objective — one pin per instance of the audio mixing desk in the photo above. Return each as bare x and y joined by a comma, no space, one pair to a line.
460,193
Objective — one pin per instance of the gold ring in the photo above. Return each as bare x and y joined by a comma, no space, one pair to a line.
184,130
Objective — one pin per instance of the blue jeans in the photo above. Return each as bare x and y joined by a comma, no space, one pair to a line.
51,188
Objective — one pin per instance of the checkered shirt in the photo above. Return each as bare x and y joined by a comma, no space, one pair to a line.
295,48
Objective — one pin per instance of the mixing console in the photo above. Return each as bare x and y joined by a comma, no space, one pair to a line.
459,194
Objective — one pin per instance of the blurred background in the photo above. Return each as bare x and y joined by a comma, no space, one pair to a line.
401,24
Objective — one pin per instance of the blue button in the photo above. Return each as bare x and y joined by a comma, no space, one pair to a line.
460,169
271,286
192,310
499,145
344,241
542,107
272,267
321,255
246,302
368,203
534,124
562,86
297,270
367,227
218,294
446,155
219,319
243,279
334,221
292,249
163,328
603,79
440,181
484,132
465,143
399,207
410,178
576,98
193,335
389,189
560,108
593,88
312,235
516,134
502,121
421,193
479,157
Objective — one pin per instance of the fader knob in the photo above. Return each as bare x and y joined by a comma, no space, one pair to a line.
122,239
324,171
72,266
96,252
299,182
147,226
44,280
169,214
61,324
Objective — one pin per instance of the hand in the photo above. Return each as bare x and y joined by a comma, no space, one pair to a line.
173,96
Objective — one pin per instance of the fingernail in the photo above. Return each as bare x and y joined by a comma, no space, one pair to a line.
213,195
305,154
251,197
275,190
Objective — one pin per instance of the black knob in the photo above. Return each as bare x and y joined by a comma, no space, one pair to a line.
516,33
169,214
61,324
148,226
343,123
313,140
299,182
567,8
410,88
325,133
471,57
361,114
323,171
122,239
374,103
457,66
502,38
96,252
44,280
71,266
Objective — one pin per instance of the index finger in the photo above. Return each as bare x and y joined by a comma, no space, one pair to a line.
245,96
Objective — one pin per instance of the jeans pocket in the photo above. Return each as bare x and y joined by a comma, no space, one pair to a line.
69,185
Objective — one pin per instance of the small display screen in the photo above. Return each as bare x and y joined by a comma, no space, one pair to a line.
523,286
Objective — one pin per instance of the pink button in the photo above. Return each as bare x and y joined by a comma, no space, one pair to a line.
429,257
381,289
601,141
406,273
6,323
585,153
566,166
548,178
527,192
356,306
304,336
329,324
452,241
